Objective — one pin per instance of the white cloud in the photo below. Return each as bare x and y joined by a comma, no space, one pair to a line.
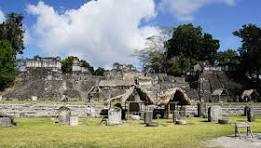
184,9
2,16
102,31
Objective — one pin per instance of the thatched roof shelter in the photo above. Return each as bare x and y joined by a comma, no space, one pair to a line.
248,94
218,92
174,94
131,92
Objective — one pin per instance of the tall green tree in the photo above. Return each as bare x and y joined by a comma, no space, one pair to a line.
189,41
11,44
250,51
12,30
208,50
99,71
153,60
87,65
7,64
67,64
153,57
229,59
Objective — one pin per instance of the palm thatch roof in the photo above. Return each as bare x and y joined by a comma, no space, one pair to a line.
131,91
247,93
218,92
170,94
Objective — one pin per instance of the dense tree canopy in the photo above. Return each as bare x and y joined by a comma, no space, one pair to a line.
153,60
87,65
7,64
99,71
250,51
11,44
187,46
12,30
67,64
229,59
191,42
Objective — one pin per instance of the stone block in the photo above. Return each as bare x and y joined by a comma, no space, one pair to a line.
250,114
114,116
63,115
34,98
176,116
91,111
148,115
6,121
200,111
214,113
74,121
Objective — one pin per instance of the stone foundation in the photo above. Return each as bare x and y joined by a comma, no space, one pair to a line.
25,110
32,110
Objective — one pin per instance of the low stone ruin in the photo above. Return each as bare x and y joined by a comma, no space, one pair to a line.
148,116
214,113
74,121
63,115
34,98
6,121
250,114
91,111
114,116
178,118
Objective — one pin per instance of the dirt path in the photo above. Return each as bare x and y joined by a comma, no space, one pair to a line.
232,142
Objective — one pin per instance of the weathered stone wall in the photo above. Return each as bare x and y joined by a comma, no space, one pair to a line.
38,110
29,110
50,85
226,110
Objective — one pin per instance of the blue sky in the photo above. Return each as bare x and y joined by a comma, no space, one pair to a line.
218,17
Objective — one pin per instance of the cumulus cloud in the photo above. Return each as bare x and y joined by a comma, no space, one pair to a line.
184,9
102,32
2,16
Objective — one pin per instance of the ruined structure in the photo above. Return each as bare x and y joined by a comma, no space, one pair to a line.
77,68
51,63
50,85
42,78
249,95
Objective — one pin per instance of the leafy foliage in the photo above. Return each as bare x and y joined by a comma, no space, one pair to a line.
187,46
250,51
227,56
67,64
85,64
12,30
11,44
190,42
99,71
7,64
153,60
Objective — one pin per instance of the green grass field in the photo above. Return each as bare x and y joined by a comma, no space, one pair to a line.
42,132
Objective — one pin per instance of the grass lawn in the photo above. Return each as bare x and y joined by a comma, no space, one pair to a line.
42,132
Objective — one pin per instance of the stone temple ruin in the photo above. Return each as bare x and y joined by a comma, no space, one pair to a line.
41,79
